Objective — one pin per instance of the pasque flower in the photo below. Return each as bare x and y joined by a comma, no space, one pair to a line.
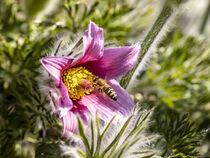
79,94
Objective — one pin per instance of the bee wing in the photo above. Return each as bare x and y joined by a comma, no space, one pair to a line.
105,78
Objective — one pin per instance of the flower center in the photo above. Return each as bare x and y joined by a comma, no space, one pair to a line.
78,81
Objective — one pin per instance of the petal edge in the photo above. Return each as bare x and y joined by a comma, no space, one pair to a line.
55,65
115,62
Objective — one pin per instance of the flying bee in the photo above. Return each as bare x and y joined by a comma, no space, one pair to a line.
103,87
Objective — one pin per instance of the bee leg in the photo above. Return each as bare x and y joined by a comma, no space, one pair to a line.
100,90
104,95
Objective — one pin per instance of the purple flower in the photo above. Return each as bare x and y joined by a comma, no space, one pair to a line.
79,93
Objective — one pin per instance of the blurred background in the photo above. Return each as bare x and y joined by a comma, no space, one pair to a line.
176,81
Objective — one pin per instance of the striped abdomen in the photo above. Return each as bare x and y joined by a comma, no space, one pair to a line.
108,90
104,87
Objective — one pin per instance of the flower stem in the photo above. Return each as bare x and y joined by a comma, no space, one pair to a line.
205,19
165,14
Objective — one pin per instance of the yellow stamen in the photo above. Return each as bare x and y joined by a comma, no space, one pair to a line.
78,81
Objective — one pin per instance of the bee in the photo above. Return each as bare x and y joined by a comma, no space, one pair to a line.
103,87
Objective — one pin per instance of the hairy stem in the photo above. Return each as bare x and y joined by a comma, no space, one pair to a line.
205,19
165,14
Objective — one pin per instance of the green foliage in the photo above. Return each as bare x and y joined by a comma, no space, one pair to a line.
23,107
24,115
8,17
178,81
178,78
180,155
110,15
182,80
32,9
49,150
179,135
153,36
115,139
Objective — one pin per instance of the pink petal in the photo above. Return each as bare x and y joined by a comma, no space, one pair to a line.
70,123
107,107
55,65
93,43
115,62
65,102
81,110
70,118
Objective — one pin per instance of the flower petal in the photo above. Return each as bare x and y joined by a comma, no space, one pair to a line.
115,62
65,103
55,65
70,118
107,107
93,43
81,110
70,123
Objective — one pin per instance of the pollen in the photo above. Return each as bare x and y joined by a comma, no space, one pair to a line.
78,81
